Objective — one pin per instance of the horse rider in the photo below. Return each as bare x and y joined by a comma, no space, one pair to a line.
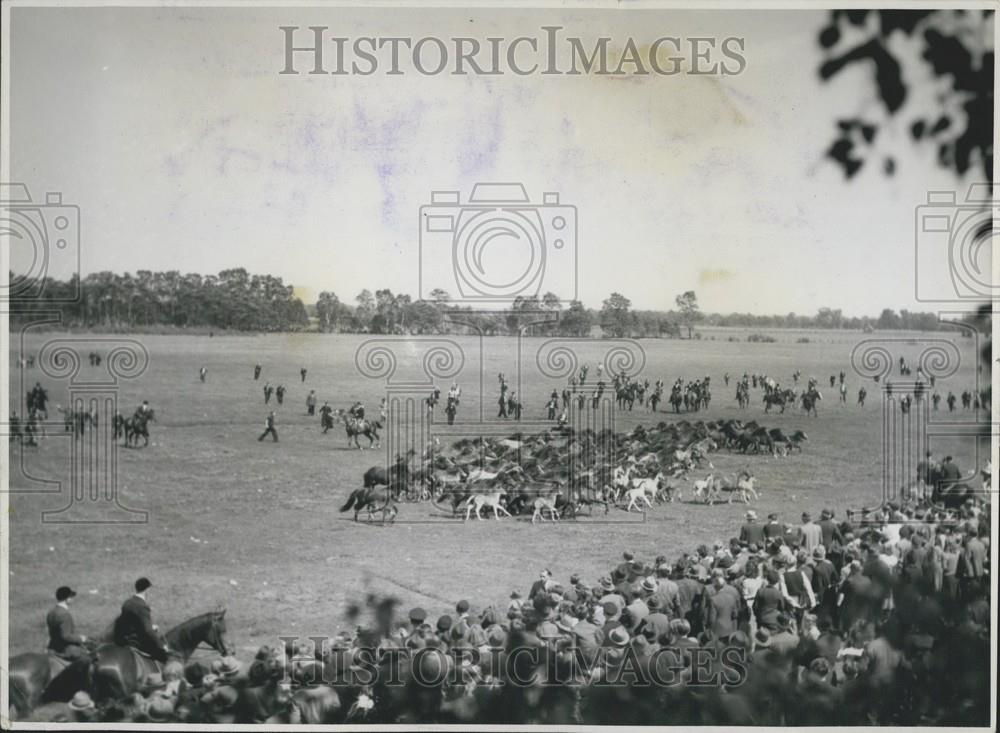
357,411
135,627
454,393
144,409
383,411
326,416
63,640
269,428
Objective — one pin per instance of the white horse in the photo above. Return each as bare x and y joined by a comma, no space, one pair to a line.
545,503
634,495
746,488
704,487
491,499
650,486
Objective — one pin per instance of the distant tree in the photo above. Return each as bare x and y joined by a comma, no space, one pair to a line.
615,315
576,320
440,297
687,303
364,311
888,320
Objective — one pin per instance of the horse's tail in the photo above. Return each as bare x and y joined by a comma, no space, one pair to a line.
352,500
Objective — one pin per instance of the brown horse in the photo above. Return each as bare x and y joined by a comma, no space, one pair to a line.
119,670
37,678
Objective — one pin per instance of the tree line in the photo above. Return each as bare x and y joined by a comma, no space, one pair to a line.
237,300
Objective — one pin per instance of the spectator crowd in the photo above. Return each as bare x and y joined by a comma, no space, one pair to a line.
882,617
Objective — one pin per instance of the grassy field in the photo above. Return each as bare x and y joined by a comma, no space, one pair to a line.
255,525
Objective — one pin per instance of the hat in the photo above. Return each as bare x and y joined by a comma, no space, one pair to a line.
826,514
462,606
142,584
819,552
515,595
81,701
618,636
606,583
751,514
230,666
772,516
610,609
417,615
762,638
653,603
628,555
444,623
496,636
718,573
650,584
574,579
160,709
63,592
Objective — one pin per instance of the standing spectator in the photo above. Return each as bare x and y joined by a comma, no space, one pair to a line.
722,606
812,535
311,403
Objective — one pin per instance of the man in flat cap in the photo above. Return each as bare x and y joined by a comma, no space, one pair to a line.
63,640
135,627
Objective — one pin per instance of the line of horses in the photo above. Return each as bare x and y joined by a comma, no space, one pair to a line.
557,474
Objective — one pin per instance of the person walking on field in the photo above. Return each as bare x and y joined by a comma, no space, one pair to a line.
256,372
302,372
269,428
311,403
280,394
268,389
202,373
326,416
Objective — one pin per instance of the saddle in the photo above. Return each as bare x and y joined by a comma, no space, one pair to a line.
57,663
145,665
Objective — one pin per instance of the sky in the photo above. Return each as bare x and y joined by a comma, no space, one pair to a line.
185,149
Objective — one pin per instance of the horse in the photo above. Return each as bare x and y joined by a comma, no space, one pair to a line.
356,427
670,489
635,494
745,486
136,426
541,503
649,486
396,477
732,484
490,499
37,678
809,400
118,671
374,498
702,487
